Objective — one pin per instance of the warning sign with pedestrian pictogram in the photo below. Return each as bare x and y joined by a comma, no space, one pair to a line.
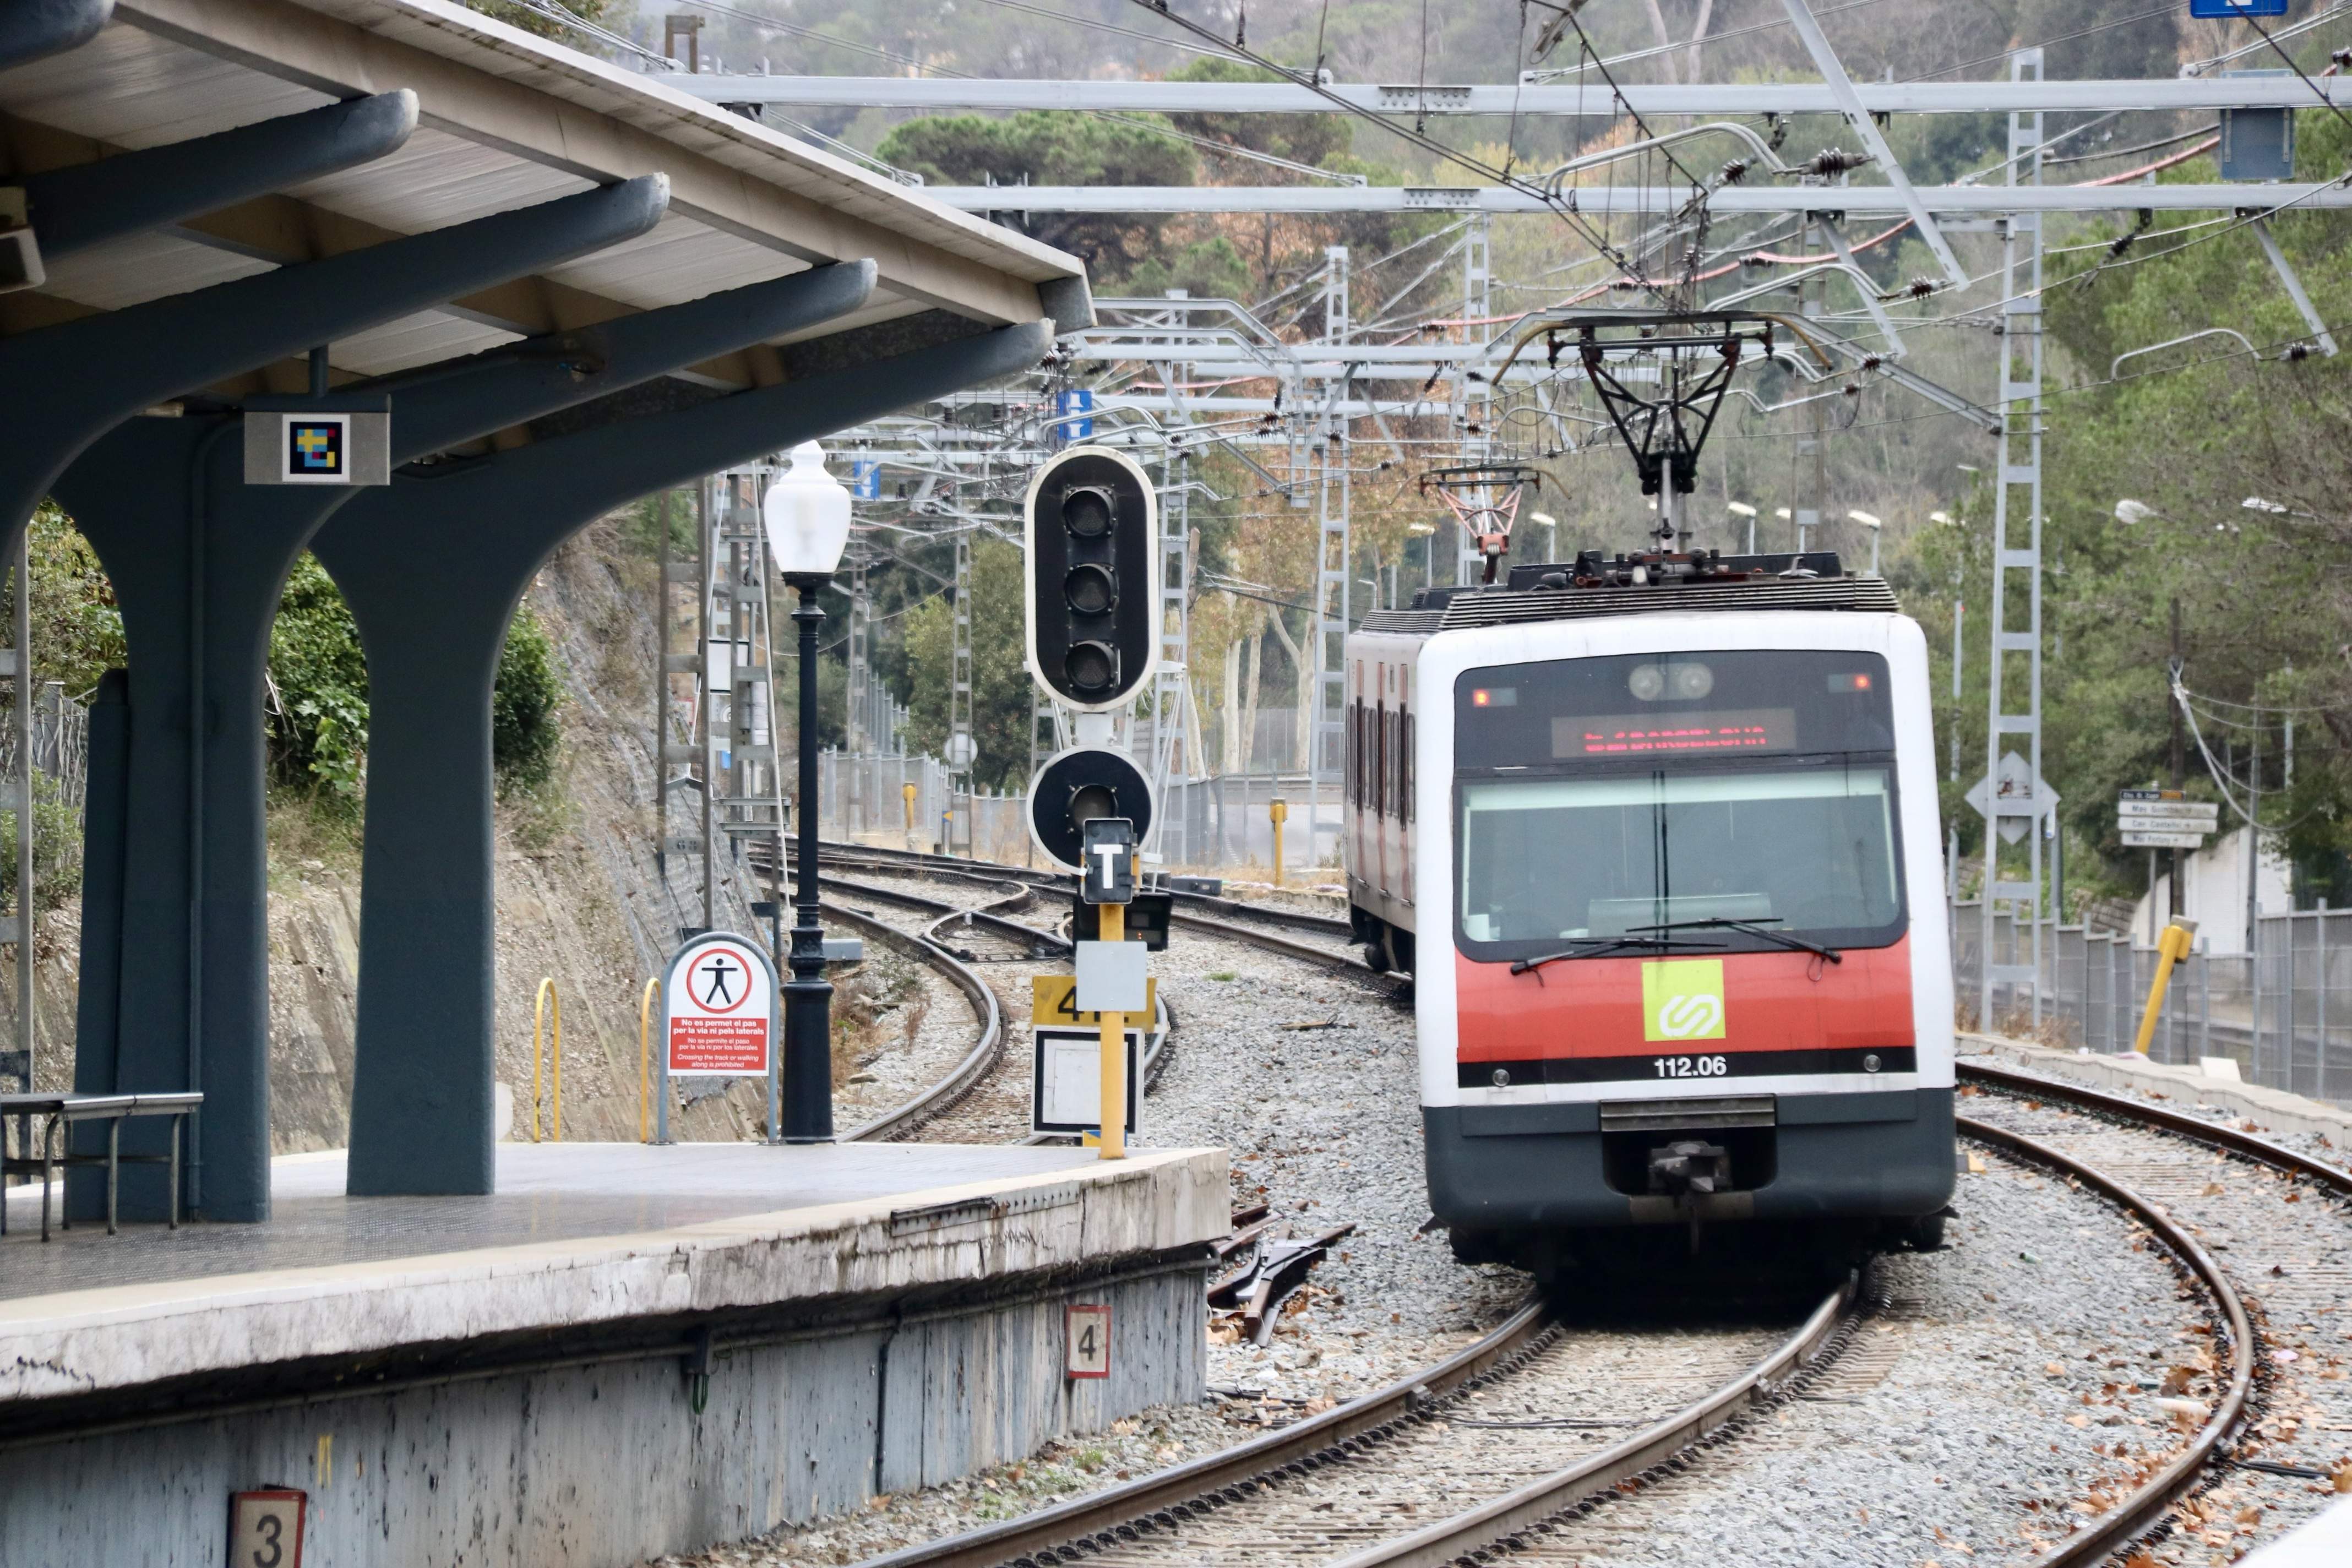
719,1008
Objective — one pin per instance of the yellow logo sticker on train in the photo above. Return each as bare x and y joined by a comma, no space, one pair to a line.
1682,999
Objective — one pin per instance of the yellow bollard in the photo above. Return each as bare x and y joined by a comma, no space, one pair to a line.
1113,918
1278,810
907,790
540,1007
2170,948
645,1058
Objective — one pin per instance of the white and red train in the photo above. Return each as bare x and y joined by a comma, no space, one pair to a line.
1658,839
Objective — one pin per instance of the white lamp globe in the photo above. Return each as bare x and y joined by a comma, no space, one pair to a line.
807,516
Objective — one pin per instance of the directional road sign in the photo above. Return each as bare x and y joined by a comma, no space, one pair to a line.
2202,811
2149,838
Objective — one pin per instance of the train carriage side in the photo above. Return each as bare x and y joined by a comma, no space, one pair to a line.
1700,968
1378,809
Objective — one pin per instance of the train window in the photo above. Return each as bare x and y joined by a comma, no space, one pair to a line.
1380,763
1355,751
1808,851
1389,758
1405,754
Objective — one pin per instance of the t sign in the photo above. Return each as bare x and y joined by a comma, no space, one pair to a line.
1109,861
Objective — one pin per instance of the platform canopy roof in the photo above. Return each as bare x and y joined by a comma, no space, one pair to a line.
506,120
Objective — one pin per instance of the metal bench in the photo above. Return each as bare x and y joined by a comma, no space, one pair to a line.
59,1110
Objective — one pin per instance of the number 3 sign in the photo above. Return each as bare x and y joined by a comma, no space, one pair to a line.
265,1528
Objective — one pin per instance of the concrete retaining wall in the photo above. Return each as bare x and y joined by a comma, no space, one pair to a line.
606,1461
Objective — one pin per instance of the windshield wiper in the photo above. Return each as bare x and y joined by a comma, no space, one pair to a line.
1594,946
1751,927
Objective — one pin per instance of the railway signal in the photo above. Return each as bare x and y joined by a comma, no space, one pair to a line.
1084,785
1092,529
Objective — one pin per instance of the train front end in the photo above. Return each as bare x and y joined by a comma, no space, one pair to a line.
1699,972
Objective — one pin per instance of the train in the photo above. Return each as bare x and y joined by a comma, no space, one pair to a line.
1657,840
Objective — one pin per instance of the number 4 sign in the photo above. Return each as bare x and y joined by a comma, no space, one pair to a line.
265,1528
1085,1345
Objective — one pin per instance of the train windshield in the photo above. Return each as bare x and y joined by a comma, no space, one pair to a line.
1607,797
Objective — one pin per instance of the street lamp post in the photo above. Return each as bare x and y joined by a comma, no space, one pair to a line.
1874,524
807,515
1741,509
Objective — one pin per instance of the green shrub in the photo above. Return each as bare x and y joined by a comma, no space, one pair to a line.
318,696
526,732
319,693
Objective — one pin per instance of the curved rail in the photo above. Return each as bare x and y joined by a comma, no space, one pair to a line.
1096,1523
1502,1520
990,918
936,1099
967,870
1087,1525
1316,1440
993,871
2111,1530
943,1096
2234,1141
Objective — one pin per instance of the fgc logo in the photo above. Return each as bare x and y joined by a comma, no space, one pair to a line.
1682,999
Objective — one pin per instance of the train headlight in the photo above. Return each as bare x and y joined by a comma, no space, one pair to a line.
1670,683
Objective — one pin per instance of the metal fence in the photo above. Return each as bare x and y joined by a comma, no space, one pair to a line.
1222,824
863,798
60,746
2284,1014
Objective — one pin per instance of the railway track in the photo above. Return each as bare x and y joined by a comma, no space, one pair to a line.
957,940
1313,939
1520,1452
2226,1184
1498,1451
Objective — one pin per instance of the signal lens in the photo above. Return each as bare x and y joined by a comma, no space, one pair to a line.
1085,512
1091,590
1091,667
1089,802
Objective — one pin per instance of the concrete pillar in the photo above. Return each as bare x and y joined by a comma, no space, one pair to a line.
432,570
197,559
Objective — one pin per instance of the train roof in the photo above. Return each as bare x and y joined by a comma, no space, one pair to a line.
1591,586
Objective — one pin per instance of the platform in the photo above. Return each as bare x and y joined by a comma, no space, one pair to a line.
771,1335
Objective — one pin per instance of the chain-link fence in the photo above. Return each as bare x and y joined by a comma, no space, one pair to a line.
1217,824
2284,1015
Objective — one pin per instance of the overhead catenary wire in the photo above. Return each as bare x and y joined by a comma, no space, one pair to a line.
1206,143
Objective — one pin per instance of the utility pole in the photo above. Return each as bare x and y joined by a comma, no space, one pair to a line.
2180,755
1812,456
1471,415
2017,572
706,736
962,747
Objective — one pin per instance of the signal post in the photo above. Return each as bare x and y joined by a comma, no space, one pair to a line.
1091,528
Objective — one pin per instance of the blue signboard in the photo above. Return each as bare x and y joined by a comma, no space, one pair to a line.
866,479
1069,404
2222,10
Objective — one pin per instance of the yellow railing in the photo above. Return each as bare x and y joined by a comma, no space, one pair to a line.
546,1003
645,1059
